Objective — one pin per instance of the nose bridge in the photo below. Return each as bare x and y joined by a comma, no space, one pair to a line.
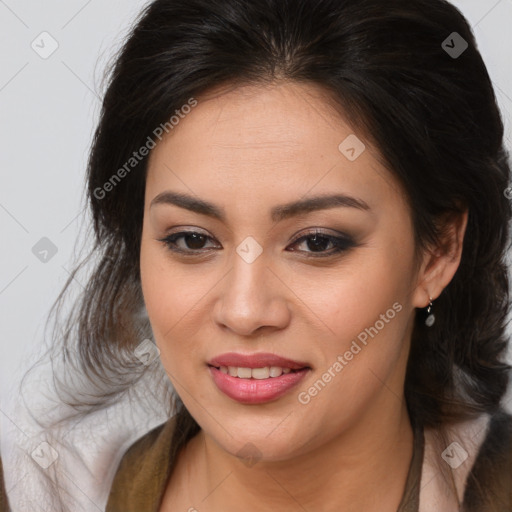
248,280
250,297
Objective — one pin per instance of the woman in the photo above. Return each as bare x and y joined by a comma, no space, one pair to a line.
307,198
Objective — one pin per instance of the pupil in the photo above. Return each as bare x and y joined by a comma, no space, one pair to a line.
316,242
197,241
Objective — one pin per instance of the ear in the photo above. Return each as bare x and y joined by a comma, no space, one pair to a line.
440,263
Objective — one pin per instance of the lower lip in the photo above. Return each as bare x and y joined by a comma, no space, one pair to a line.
256,391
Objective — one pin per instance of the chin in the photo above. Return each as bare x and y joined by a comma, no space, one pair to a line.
256,444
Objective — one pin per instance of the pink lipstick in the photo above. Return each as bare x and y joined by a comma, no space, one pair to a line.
256,378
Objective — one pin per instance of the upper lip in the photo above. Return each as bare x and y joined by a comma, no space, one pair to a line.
258,360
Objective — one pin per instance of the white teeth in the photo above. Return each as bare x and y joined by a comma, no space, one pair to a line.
255,373
275,371
244,373
261,373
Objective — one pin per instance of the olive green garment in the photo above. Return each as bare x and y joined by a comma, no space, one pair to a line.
142,476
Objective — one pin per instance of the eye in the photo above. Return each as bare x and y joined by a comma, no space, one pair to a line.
192,241
317,242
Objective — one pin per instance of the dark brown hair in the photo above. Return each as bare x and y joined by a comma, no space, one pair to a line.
432,116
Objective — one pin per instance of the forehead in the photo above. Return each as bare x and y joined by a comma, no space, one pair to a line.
281,119
266,140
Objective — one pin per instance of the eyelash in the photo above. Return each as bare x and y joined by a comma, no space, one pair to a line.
341,244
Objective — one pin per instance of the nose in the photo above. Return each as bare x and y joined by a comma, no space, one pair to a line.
253,299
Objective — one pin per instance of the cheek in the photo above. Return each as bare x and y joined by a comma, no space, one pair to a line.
366,307
166,299
175,295
368,313
354,296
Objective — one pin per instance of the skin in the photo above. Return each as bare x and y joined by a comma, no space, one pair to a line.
248,149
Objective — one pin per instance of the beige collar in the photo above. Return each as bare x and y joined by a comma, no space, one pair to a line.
447,464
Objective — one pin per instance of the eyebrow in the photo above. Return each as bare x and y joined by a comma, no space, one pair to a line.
277,214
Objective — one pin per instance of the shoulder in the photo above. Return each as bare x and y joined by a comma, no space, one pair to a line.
143,471
469,463
489,484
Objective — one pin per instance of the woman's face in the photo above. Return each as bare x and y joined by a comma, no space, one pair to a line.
313,333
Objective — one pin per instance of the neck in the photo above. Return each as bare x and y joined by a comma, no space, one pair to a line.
364,468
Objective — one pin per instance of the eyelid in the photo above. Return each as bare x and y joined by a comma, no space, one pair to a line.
320,232
308,232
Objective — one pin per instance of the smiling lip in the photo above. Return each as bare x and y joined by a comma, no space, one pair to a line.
256,391
255,361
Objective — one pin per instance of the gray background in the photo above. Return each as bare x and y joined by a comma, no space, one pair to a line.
49,110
